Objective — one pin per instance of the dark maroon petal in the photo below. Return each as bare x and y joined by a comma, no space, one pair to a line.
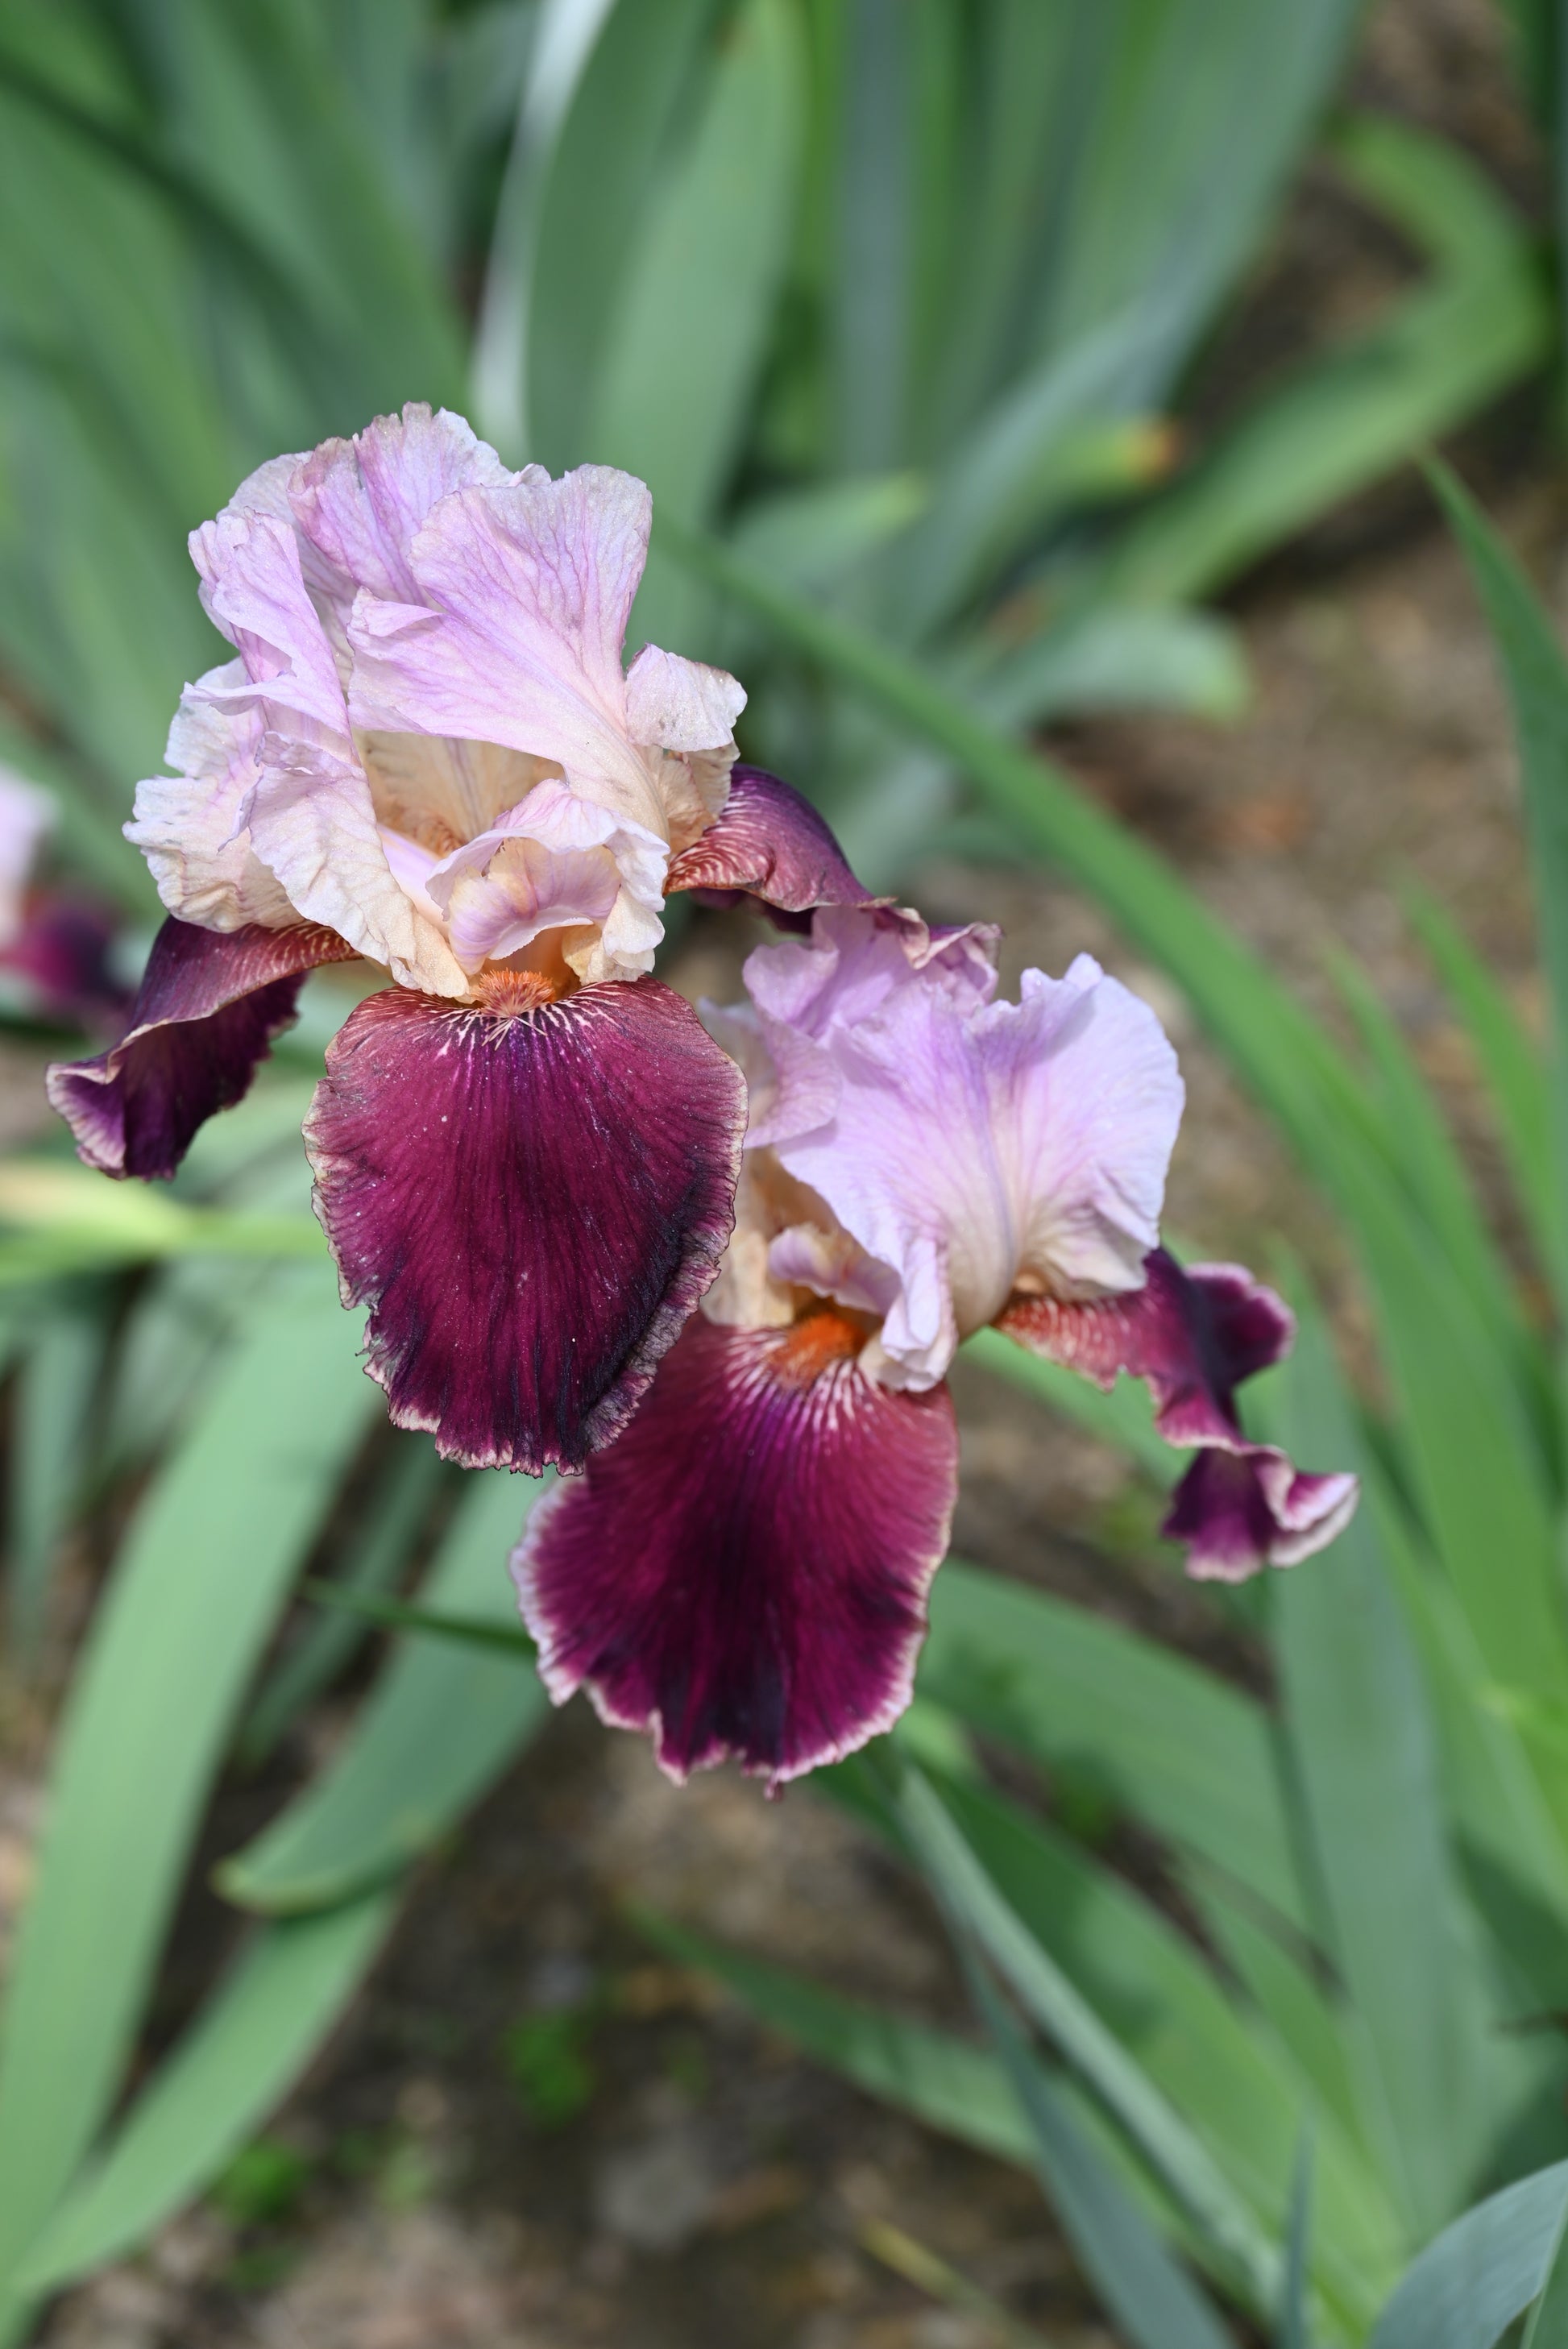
209,1005
745,1570
531,1204
1244,1509
61,953
771,844
1194,1334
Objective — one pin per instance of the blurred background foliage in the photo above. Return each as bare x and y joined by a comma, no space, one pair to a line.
901,308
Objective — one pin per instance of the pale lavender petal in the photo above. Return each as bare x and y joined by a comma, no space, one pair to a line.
362,502
531,582
192,827
971,1146
552,862
210,1004
254,593
744,1572
680,705
529,1204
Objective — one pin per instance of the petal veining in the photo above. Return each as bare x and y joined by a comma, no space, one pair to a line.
744,1570
529,1204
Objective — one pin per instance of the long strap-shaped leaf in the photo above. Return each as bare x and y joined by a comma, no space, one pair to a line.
1181,2162
210,1554
239,2057
1483,2271
445,1720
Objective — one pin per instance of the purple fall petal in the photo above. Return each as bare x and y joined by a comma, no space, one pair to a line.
61,952
210,1003
1195,1335
745,1570
530,1202
768,843
1240,1510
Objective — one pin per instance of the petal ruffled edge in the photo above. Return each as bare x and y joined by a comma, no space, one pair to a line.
744,1572
769,843
1195,1334
205,1015
531,1204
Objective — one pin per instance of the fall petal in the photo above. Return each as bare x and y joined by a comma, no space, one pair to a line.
769,842
529,1204
207,1010
744,1572
1238,1511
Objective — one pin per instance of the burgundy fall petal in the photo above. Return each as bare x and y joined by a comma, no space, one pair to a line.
61,953
1238,1511
745,1569
531,1202
768,843
1194,1334
209,1005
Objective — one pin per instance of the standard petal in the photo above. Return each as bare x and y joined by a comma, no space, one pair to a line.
209,1006
1239,1511
254,590
968,1145
554,861
745,1570
362,502
529,1204
530,584
675,704
191,826
768,843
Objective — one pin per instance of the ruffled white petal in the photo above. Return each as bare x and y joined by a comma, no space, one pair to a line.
191,826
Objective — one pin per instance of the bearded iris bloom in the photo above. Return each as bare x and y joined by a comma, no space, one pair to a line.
427,753
745,1569
55,943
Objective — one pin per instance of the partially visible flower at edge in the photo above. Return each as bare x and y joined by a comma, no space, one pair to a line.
54,940
745,1570
428,754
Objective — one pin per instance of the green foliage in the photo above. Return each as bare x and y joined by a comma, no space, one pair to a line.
891,306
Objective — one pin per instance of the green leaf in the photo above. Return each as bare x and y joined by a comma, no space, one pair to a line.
1469,2286
685,343
1120,657
1536,676
234,2065
196,1589
440,1728
392,1524
1482,320
1201,2047
1434,2077
1295,2323
1162,1738
1511,1064
942,2080
1155,2304
59,1374
1163,2136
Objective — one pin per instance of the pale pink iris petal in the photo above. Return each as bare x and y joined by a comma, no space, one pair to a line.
361,502
26,817
191,826
683,705
835,1265
550,863
533,581
254,593
971,1146
411,869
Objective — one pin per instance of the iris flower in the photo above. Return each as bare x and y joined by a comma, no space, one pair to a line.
427,753
54,942
745,1569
